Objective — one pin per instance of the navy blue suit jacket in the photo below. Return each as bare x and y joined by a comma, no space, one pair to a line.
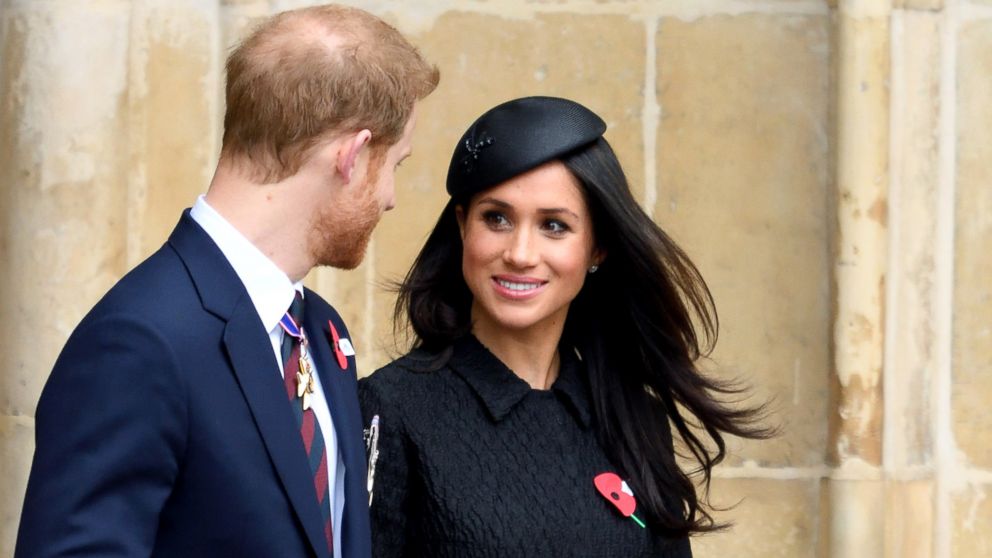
164,428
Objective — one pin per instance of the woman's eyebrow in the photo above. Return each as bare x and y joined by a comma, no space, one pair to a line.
557,210
496,202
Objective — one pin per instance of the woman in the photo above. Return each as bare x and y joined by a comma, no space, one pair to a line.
556,333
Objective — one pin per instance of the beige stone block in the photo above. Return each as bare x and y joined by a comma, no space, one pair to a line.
484,60
63,161
972,312
864,8
237,19
909,526
855,518
970,521
174,115
351,293
770,518
930,5
16,453
743,184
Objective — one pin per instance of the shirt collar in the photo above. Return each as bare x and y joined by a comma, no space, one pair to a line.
269,288
500,389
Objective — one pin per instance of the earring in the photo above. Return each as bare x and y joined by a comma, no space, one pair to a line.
593,268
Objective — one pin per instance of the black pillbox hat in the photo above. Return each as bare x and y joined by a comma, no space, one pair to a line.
515,137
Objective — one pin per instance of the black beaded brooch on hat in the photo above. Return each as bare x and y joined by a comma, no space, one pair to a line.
531,131
474,149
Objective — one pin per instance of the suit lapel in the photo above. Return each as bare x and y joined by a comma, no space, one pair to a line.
338,384
340,389
257,370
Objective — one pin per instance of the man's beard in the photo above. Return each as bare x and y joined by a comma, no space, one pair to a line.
340,238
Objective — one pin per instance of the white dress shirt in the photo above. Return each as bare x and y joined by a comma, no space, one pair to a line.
272,292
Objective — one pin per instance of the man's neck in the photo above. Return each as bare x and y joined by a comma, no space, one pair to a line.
265,215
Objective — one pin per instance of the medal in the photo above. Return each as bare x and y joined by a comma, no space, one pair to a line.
301,384
304,377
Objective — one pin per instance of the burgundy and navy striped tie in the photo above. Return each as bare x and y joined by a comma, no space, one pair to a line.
313,438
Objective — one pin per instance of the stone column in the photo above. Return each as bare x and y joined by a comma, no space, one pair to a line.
174,114
856,492
63,168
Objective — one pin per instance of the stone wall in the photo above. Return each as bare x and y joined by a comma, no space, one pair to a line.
826,164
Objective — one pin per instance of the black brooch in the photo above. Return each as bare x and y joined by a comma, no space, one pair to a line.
474,149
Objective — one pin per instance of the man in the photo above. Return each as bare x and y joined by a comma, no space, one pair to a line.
195,411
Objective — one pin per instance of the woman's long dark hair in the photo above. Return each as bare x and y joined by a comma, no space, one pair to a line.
640,324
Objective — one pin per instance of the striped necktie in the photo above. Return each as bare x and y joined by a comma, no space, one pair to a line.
295,373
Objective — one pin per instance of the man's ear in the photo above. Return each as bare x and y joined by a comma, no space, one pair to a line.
351,148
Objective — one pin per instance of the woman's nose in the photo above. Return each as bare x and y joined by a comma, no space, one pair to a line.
521,252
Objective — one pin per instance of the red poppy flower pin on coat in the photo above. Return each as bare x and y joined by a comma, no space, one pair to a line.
341,345
616,492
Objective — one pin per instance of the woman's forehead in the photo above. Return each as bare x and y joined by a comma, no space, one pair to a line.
550,185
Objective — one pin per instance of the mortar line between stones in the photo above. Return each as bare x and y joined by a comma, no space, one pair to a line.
972,476
684,9
943,433
771,473
650,117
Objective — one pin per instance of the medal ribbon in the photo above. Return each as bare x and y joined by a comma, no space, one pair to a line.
290,326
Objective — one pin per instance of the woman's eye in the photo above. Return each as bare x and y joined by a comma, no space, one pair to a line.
495,219
556,227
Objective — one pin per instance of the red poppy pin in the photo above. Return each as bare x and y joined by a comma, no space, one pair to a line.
341,345
616,492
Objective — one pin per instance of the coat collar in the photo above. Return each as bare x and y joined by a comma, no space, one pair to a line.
216,282
500,389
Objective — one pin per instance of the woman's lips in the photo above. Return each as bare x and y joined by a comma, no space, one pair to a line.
516,287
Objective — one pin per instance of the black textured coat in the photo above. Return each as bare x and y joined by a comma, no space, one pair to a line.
473,462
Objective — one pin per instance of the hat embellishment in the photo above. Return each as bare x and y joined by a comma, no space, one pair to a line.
474,150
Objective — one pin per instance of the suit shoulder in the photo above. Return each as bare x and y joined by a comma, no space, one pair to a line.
158,285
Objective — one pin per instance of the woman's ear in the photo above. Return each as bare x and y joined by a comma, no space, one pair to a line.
598,256
351,148
460,216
